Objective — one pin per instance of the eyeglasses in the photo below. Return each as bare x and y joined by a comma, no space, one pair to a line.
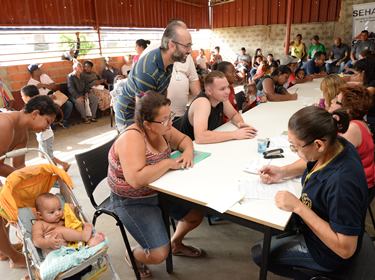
188,46
166,121
295,148
335,100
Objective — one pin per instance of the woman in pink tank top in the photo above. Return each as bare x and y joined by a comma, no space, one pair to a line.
137,158
358,100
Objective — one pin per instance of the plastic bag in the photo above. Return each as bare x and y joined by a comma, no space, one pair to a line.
87,108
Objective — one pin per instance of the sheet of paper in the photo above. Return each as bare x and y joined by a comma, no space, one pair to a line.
100,87
226,200
280,142
254,188
303,98
257,163
329,61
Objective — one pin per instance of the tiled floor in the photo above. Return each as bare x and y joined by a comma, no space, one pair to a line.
226,245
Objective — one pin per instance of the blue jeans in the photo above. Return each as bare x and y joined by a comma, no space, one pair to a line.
142,217
329,65
286,253
350,64
67,109
253,72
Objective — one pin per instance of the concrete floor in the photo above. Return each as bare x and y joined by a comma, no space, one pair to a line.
226,246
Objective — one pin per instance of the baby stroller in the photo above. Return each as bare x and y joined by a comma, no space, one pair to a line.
17,201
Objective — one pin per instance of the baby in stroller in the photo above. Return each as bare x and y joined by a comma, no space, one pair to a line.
50,232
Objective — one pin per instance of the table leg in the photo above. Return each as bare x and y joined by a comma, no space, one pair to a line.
265,253
163,203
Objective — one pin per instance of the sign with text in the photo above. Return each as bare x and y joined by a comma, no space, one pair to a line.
363,19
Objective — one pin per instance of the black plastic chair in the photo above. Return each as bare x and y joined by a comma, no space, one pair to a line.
362,267
93,167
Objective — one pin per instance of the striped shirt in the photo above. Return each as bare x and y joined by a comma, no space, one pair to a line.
5,95
147,74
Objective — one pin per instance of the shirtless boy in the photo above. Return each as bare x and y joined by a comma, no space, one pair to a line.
50,232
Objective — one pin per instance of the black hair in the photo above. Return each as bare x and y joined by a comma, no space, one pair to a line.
116,78
143,43
217,48
278,61
364,31
318,55
243,49
214,66
147,108
173,20
89,62
30,90
256,52
299,69
283,69
274,64
258,56
299,35
270,54
45,105
223,66
313,122
368,66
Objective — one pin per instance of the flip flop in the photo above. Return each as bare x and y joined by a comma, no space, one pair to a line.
143,269
186,253
12,265
93,120
66,170
87,122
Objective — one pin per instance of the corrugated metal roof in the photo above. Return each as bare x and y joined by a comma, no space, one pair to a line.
111,13
266,12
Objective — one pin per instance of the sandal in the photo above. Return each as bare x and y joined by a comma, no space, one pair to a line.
93,120
87,122
142,270
197,252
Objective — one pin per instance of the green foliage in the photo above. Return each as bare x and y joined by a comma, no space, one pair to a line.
71,39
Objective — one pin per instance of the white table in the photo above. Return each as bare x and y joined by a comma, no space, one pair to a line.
215,174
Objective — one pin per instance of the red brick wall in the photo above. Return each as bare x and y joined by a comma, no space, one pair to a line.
18,75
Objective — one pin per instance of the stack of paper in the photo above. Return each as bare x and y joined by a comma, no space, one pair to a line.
226,200
254,188
100,87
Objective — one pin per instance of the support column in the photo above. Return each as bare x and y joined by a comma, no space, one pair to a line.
288,25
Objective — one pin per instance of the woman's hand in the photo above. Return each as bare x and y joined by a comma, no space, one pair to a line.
186,160
287,201
271,174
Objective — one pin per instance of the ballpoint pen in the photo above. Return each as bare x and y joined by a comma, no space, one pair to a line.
267,164
296,90
241,199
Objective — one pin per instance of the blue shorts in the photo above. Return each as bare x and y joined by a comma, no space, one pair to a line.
143,219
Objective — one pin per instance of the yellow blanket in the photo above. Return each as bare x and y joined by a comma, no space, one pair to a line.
71,221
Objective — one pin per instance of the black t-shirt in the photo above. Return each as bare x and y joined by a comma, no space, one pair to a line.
371,112
214,120
260,84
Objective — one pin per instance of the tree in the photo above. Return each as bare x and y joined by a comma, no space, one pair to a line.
69,41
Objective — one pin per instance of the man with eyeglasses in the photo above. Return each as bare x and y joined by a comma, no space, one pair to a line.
184,77
312,67
153,72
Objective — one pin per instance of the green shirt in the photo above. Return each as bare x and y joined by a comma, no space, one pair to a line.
313,49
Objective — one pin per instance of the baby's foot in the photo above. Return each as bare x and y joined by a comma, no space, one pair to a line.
87,232
95,240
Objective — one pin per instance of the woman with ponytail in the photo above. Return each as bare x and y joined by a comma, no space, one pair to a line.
333,204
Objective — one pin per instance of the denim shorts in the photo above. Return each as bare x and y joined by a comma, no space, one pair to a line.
47,146
143,219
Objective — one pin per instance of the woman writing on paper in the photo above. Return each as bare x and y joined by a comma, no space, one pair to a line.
333,203
139,157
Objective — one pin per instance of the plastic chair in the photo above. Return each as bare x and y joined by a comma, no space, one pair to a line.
110,88
93,167
362,267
